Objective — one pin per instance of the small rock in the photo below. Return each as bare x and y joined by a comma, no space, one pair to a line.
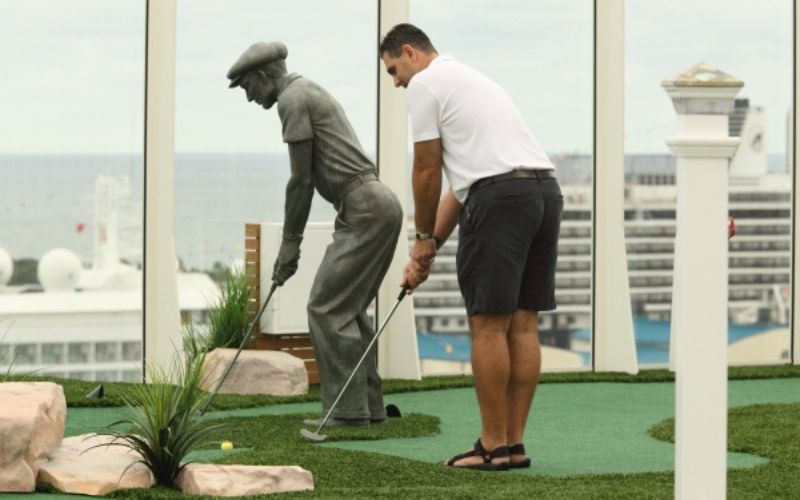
274,373
32,419
78,467
241,480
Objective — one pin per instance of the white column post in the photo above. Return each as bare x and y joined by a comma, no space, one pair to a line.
703,97
397,348
795,137
612,320
161,315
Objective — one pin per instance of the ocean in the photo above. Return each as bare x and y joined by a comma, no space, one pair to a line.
47,201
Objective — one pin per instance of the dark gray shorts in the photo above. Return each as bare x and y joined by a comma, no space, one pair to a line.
508,245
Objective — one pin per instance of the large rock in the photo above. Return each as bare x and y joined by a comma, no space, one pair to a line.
32,418
78,466
256,372
241,480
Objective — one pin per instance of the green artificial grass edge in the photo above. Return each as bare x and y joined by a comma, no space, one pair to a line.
342,473
76,390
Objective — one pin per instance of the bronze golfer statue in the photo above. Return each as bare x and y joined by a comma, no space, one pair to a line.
325,155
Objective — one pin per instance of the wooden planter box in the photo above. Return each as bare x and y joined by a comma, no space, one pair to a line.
296,344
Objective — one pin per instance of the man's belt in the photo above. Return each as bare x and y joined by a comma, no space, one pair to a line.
517,173
354,182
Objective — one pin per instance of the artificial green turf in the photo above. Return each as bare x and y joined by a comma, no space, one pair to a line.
772,431
341,473
575,428
349,474
76,390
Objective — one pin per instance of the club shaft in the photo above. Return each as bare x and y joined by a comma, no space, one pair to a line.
361,361
241,346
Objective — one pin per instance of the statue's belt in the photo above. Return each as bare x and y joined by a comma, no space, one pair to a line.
354,182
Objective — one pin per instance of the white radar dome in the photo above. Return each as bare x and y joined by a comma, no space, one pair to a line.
6,267
59,270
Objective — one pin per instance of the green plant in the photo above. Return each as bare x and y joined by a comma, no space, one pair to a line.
195,341
229,316
161,419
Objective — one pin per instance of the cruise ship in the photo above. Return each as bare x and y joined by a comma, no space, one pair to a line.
86,323
759,253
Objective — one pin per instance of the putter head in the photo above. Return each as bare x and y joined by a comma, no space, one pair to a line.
312,436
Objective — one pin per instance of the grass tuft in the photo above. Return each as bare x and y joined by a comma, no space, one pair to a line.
229,317
160,420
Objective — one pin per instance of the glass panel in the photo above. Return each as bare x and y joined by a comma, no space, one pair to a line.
52,353
131,376
131,351
84,375
541,53
232,163
106,351
752,42
107,375
71,143
25,354
79,353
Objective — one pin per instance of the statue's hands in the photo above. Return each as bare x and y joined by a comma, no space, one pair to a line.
286,263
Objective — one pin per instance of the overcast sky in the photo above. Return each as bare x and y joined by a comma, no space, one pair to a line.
73,71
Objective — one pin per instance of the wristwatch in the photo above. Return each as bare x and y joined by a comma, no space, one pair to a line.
424,236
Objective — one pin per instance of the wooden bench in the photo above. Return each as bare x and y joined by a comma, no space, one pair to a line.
296,344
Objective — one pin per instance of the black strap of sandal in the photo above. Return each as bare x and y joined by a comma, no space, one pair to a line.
517,449
499,452
479,451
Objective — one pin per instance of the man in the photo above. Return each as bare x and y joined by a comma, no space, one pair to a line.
325,154
508,205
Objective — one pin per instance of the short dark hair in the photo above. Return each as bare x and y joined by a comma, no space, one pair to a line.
405,34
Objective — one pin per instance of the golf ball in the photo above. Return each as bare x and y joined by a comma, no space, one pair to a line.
226,445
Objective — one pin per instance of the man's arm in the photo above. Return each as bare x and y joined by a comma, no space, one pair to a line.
299,192
426,181
446,217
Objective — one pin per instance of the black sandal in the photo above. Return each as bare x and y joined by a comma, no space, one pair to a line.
518,449
479,451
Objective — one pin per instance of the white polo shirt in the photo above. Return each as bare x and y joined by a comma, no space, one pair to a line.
482,131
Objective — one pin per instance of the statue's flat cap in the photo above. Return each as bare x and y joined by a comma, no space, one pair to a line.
256,56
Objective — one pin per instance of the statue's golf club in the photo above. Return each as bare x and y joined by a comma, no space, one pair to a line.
241,346
316,436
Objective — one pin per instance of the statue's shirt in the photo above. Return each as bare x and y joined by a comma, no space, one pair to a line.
309,112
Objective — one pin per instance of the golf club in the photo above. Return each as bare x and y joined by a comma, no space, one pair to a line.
241,346
316,436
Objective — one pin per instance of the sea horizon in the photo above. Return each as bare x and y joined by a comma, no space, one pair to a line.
216,194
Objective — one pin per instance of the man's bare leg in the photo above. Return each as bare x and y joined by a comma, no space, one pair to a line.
490,368
525,364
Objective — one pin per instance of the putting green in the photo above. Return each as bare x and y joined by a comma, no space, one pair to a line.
574,429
